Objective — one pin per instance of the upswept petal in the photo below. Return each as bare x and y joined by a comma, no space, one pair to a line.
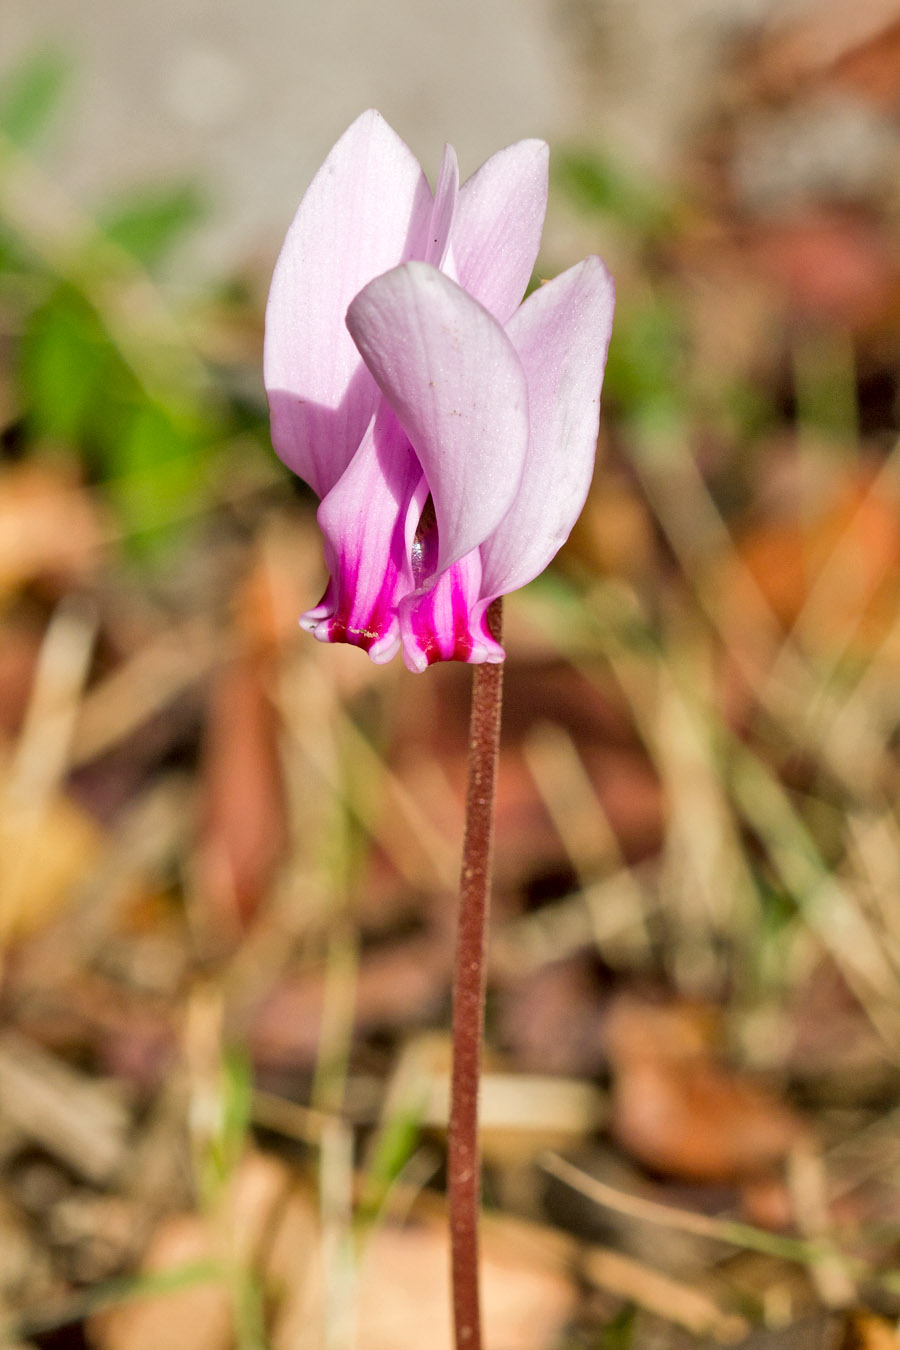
445,621
458,388
497,229
367,209
446,192
561,334
368,520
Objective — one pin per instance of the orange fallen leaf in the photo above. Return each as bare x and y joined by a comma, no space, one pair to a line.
849,553
677,1109
244,829
49,526
195,1317
244,817
405,1289
867,1331
199,1314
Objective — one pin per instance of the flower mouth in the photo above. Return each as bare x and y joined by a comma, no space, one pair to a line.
424,627
424,553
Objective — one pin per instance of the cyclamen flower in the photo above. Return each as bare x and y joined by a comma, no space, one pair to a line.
448,430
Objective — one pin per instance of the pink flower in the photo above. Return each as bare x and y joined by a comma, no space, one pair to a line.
448,430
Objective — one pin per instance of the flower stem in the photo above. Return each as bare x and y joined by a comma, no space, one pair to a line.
464,1165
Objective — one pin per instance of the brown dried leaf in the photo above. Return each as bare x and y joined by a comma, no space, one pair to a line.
822,40
677,1109
859,527
264,1222
49,526
872,70
20,647
43,858
244,827
405,1288
396,985
197,1317
244,830
866,1331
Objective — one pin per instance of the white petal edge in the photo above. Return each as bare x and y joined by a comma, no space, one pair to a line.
561,334
497,228
368,208
446,194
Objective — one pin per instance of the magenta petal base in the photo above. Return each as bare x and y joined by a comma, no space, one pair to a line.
368,520
333,620
446,621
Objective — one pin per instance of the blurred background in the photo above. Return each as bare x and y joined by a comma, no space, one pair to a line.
228,856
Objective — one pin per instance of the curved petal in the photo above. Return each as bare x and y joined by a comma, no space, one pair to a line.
497,228
368,208
368,520
561,334
446,192
446,620
458,388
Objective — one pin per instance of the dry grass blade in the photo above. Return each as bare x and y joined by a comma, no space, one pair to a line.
729,1231
663,1296
30,792
603,913
707,892
431,859
809,1194
827,905
586,834
143,685
751,632
829,584
75,1118
42,754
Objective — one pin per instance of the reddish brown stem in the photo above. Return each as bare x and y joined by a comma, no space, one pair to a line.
464,1164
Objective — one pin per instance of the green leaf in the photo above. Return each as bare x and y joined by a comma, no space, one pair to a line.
31,94
618,1334
220,1150
645,370
149,222
77,1306
61,368
159,464
394,1145
595,184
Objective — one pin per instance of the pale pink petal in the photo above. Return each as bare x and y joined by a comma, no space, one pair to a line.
446,193
458,388
497,228
368,208
561,334
446,620
368,520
